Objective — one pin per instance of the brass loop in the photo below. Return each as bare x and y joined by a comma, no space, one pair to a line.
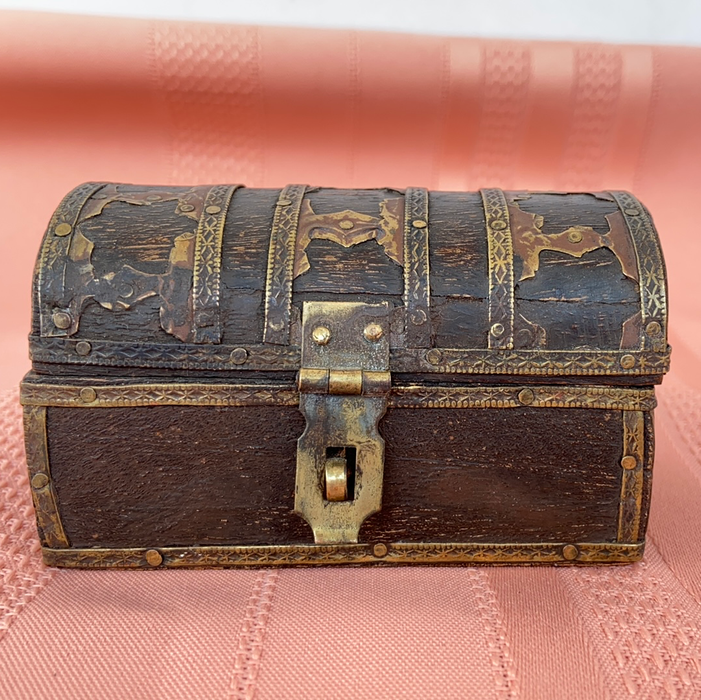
336,477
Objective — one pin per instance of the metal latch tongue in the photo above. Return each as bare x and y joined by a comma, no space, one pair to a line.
343,381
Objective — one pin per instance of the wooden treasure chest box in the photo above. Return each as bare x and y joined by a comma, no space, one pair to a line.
226,376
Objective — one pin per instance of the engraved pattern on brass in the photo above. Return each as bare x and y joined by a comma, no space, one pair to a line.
49,524
501,269
417,286
653,291
632,478
281,260
324,555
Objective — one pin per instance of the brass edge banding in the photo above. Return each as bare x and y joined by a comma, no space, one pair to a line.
43,494
281,259
632,479
501,270
54,251
417,285
653,292
322,555
206,272
108,395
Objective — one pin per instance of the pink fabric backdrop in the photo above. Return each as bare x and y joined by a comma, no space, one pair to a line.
155,102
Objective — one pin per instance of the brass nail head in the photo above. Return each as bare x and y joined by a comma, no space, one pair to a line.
497,330
83,348
526,396
574,236
187,207
154,557
321,335
629,462
419,223
653,328
63,229
213,209
434,357
498,225
570,552
238,356
346,225
373,331
88,394
62,320
627,361
39,480
632,212
380,550
284,202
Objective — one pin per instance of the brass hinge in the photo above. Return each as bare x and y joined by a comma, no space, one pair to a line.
344,381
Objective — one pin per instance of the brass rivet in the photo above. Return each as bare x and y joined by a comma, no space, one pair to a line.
653,328
214,209
632,212
83,347
498,225
154,557
88,394
153,197
627,361
629,462
238,356
373,331
574,237
380,550
497,330
40,480
419,223
526,396
62,319
346,225
321,335
63,229
434,357
284,202
187,207
570,552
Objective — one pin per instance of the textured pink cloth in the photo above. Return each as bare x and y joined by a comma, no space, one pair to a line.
92,99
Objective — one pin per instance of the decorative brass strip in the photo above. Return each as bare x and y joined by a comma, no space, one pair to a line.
206,272
417,286
281,260
501,270
323,555
653,291
52,258
632,484
168,394
43,494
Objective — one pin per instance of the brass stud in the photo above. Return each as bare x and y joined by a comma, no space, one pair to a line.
83,348
574,237
346,225
380,550
63,229
632,212
153,197
653,328
373,331
526,396
498,225
434,357
62,320
629,462
627,361
154,557
187,207
419,223
570,552
321,335
497,330
88,394
238,356
213,209
39,480
284,202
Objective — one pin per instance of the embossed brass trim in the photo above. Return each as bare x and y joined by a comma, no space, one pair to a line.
501,270
206,272
324,555
633,478
653,291
43,494
417,286
281,260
